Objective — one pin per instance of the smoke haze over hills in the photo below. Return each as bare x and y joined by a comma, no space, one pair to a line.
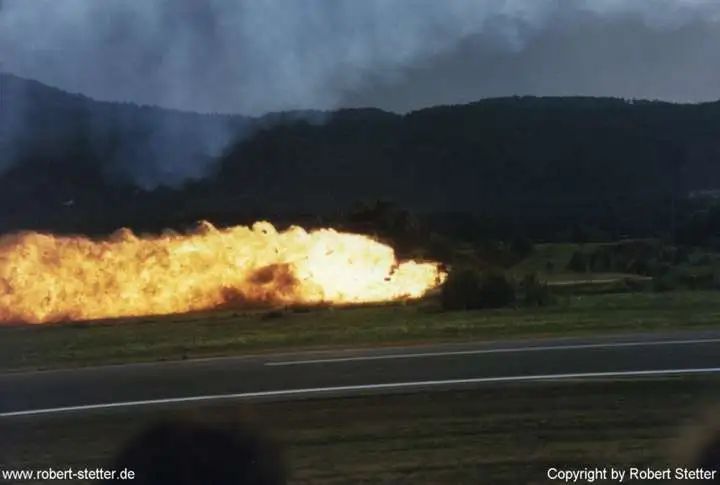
271,55
543,164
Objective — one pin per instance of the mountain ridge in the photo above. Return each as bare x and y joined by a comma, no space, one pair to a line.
542,163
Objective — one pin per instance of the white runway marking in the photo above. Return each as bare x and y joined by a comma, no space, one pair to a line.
314,391
543,348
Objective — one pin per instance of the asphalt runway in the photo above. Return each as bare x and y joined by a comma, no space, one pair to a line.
332,373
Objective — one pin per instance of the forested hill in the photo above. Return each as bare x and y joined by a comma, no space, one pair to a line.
487,155
543,164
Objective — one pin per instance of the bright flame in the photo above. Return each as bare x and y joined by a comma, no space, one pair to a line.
45,278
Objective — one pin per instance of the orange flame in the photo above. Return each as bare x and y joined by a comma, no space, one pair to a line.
46,278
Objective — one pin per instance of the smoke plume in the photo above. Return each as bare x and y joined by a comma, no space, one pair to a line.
259,56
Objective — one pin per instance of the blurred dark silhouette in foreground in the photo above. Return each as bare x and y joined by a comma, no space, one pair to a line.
698,443
181,452
193,452
708,457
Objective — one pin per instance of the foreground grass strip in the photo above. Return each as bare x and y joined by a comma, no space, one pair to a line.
495,434
235,333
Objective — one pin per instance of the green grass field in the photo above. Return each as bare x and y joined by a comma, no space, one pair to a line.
557,256
505,434
551,260
237,333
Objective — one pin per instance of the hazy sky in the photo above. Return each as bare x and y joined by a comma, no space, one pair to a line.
255,56
589,57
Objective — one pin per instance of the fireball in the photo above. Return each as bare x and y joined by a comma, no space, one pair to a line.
48,278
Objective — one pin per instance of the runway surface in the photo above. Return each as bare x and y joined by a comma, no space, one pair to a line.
332,373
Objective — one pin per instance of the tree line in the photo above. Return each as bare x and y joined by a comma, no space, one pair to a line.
573,168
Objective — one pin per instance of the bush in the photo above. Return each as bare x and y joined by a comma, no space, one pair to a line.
682,255
496,253
521,247
664,283
468,289
461,290
640,265
635,285
661,269
578,262
535,292
601,261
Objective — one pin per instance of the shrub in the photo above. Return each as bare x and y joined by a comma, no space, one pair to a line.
496,253
634,285
496,290
664,283
535,292
461,290
661,269
578,262
601,260
640,265
682,255
467,289
521,246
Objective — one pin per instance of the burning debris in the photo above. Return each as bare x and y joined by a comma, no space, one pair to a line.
46,278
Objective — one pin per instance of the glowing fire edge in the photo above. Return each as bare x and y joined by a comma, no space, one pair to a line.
47,278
